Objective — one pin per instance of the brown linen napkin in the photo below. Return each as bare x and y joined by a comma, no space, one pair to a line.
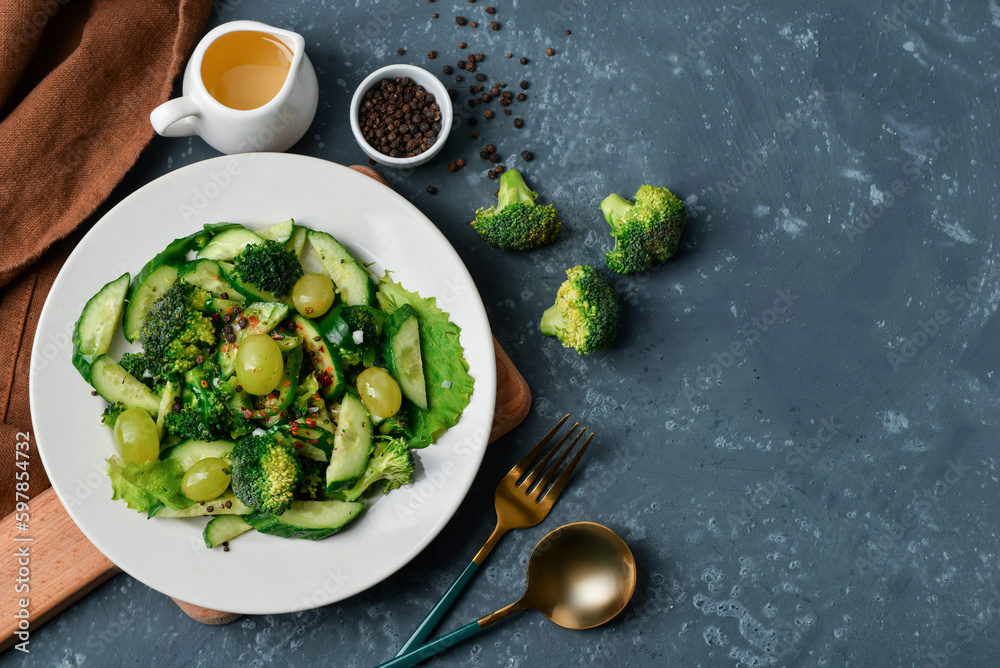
78,79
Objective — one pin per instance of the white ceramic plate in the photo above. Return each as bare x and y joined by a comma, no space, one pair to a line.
260,574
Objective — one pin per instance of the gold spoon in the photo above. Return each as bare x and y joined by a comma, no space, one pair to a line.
579,576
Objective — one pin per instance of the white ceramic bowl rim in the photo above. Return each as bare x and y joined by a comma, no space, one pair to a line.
431,84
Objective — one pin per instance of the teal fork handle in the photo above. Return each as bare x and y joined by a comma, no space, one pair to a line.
437,613
417,655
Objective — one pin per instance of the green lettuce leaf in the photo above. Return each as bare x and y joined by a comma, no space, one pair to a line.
444,362
144,486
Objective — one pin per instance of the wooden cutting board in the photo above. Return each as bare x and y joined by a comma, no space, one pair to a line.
63,566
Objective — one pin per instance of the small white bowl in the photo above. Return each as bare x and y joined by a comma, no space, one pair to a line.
431,84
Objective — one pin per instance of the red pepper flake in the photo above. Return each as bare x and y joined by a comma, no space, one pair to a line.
224,347
314,441
287,383
253,320
310,422
247,413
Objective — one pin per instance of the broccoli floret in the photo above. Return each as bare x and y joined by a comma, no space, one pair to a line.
111,413
368,321
186,424
208,399
517,223
175,332
266,473
312,487
269,266
391,461
646,232
137,365
586,313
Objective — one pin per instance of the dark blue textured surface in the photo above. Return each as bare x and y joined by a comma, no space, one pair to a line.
796,428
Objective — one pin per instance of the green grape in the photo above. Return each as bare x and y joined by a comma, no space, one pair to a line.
313,295
206,480
259,364
379,391
136,436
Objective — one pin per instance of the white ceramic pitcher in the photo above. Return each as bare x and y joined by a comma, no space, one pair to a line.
274,126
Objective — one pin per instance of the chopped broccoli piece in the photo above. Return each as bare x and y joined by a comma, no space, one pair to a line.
391,461
269,266
517,223
111,413
186,424
266,473
175,332
368,321
137,365
312,487
646,232
586,314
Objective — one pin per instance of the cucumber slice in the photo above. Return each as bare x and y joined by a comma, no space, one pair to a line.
280,232
297,243
227,504
247,290
114,383
352,280
189,452
312,520
96,327
224,528
402,352
147,290
335,330
207,275
352,444
327,365
228,244
222,306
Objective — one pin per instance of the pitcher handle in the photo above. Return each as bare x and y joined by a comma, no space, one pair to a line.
179,117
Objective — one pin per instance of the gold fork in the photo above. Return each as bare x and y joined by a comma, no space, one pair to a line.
521,502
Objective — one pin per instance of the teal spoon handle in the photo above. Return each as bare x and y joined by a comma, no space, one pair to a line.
437,613
417,655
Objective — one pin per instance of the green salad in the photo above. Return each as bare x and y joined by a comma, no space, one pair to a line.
263,395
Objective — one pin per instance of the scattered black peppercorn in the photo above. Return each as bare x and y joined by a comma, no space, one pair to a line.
447,69
470,67
452,167
462,45
488,114
521,97
523,61
432,54
472,121
470,57
506,112
480,77
518,123
93,393
496,193
523,84
459,78
484,154
434,16
485,97
491,174
400,51
499,169
526,156
569,32
475,134
490,148
550,51
494,158
510,55
452,93
431,190
460,20
371,161
460,162
491,10
224,295
494,25
225,546
495,92
474,24
479,57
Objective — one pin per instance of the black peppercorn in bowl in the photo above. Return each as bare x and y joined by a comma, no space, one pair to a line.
401,115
